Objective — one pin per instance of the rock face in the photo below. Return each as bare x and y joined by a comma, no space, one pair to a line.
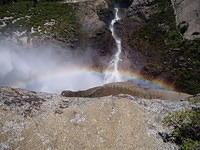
31,120
79,24
93,17
188,13
87,14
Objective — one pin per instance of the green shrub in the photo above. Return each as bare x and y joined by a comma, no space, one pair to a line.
186,128
190,144
183,26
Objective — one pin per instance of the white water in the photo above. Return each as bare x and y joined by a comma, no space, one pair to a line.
114,76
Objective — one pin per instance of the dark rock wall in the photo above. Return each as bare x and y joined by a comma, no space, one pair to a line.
122,3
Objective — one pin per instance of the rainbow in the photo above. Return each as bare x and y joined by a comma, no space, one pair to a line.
70,71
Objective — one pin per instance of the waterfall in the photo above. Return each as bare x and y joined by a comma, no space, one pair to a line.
114,76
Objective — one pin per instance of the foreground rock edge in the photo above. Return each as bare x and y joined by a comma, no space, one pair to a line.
31,120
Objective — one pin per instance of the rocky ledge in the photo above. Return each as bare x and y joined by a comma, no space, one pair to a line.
127,88
38,121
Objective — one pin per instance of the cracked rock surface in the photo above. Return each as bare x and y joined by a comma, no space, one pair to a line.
42,121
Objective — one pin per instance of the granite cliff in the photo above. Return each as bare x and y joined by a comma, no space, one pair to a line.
188,15
160,41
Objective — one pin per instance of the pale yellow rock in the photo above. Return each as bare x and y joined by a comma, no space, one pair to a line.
109,123
42,121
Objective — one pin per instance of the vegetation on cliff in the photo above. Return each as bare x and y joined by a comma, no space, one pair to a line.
184,125
53,19
179,61
186,128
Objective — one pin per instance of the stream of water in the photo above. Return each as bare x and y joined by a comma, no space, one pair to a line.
114,75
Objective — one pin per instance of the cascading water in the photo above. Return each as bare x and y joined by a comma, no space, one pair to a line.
114,76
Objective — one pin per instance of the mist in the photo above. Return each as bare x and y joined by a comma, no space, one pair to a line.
45,68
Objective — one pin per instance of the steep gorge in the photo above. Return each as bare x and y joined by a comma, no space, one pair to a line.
153,54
